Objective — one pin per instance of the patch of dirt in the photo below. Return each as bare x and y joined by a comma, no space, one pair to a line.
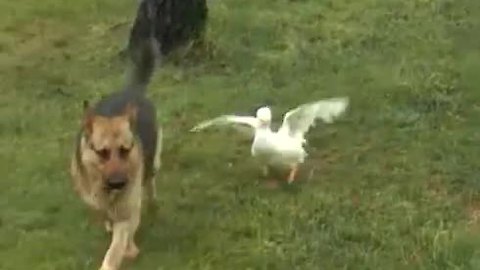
473,214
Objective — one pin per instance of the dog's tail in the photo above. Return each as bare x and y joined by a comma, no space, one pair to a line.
143,49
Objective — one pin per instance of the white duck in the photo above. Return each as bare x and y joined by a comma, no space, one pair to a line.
285,147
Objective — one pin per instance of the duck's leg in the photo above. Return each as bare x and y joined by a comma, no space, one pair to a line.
292,174
271,182
265,170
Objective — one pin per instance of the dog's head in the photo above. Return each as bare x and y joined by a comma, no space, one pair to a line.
110,148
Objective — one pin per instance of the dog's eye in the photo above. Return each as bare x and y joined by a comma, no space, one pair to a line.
103,153
124,151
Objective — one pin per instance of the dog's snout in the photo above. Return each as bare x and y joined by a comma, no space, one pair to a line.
116,181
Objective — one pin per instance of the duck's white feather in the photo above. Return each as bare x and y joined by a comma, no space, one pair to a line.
233,120
298,121
277,149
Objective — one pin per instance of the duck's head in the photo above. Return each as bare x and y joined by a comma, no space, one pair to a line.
264,114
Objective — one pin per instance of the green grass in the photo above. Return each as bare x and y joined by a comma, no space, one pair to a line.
395,183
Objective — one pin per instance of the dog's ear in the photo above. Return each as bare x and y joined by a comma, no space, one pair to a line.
87,117
130,112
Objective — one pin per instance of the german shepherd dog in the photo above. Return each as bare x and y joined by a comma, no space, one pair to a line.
118,147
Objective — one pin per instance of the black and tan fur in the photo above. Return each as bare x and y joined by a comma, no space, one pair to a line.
118,148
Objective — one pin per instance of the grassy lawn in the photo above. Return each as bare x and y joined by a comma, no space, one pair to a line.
394,184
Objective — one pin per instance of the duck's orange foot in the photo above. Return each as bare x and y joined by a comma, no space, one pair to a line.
292,174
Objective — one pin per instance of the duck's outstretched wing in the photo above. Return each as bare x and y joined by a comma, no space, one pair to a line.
298,121
244,124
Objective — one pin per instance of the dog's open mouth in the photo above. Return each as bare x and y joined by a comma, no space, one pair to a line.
116,185
113,193
114,190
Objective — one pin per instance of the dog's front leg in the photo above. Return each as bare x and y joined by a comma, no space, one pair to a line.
132,249
157,163
116,251
150,182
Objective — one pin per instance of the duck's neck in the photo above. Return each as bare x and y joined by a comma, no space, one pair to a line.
264,127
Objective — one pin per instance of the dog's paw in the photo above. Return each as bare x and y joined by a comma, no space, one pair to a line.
132,251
